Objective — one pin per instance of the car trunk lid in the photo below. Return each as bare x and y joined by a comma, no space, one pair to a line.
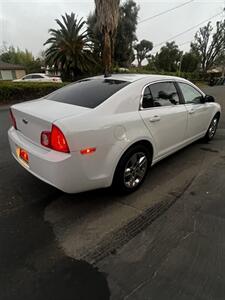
33,117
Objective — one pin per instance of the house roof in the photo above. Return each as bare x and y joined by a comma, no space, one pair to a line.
7,66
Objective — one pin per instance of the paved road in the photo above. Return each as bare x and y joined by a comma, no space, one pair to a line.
54,246
180,256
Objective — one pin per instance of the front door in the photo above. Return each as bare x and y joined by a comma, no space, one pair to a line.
198,113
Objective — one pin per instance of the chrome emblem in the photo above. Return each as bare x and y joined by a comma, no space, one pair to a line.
25,121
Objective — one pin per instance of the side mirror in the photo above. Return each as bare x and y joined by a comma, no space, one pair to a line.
209,98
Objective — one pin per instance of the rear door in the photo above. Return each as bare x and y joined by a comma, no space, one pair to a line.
164,115
27,78
199,113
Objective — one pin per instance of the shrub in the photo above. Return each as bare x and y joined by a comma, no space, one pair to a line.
192,76
22,91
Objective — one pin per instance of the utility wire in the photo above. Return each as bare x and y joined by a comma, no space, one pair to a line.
189,29
165,11
182,44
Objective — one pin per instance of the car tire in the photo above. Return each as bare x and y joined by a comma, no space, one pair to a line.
212,129
132,169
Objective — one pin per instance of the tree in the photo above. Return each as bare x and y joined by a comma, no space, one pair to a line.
209,45
124,37
151,66
220,62
189,62
94,34
107,12
168,58
25,58
126,34
70,49
143,49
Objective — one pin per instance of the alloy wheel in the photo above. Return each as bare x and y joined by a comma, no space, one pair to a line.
212,128
135,170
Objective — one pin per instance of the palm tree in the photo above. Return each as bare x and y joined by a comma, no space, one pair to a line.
70,48
107,12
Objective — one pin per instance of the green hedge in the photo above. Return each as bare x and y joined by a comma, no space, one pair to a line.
21,91
194,76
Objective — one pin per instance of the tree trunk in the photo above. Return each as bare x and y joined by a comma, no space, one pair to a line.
223,70
107,52
113,38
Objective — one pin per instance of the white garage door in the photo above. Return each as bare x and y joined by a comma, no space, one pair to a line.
6,75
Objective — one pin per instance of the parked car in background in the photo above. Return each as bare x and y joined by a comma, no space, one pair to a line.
38,77
217,81
99,132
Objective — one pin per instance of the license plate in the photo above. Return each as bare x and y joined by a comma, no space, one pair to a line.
23,154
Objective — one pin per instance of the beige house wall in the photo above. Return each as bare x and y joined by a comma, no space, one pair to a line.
20,73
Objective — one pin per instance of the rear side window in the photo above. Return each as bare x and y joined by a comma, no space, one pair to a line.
37,76
160,94
164,94
27,77
88,92
147,98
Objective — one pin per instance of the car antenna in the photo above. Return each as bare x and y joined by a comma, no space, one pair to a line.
107,74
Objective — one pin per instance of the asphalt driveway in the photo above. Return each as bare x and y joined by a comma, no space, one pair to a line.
59,246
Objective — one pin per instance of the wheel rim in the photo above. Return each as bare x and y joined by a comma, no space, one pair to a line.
135,170
212,128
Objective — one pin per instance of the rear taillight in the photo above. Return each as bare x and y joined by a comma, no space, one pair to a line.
13,120
58,140
55,140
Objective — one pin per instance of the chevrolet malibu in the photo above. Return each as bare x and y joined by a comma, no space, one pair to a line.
99,132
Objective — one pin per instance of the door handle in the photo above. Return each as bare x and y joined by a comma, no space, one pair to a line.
155,119
191,111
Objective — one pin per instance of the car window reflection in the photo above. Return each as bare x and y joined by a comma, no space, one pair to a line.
160,94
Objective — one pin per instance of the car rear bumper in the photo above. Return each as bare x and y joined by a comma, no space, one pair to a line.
65,171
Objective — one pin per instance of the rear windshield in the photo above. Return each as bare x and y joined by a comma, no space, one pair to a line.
88,92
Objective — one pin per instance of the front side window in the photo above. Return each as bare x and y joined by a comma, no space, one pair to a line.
164,94
190,94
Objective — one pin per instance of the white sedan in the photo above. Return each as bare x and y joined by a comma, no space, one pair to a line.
38,77
100,131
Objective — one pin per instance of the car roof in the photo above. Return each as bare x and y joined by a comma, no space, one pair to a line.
135,77
35,74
